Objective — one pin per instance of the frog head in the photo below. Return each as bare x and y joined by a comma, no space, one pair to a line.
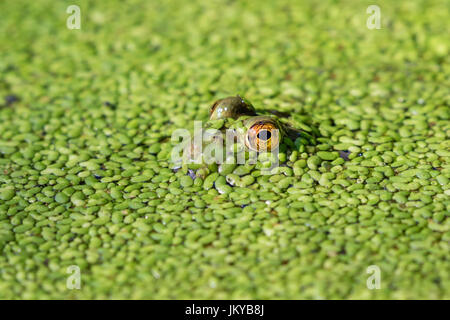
231,107
236,135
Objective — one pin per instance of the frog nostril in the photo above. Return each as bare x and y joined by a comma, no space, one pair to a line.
264,135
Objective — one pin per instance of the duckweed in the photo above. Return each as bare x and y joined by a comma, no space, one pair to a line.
86,177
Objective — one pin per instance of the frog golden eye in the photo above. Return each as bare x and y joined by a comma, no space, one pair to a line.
231,107
263,134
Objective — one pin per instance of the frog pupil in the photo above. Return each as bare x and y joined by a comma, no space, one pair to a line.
264,135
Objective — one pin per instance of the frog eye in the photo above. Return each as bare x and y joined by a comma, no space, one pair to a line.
263,134
231,107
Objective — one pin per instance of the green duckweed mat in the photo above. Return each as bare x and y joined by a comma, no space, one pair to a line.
86,182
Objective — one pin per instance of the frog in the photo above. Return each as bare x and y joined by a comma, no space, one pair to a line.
236,134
